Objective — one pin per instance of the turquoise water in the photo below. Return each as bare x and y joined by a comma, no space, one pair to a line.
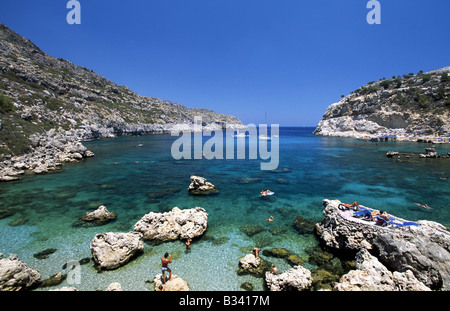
135,175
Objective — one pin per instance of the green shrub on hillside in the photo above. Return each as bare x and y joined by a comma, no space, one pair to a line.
6,104
445,77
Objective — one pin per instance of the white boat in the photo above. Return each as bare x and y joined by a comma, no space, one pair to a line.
263,136
241,135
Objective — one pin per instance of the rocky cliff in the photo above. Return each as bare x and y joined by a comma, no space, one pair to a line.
422,249
41,94
403,105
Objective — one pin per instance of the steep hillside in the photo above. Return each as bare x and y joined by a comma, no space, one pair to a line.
48,105
404,104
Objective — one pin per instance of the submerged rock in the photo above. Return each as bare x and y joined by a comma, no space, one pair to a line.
173,225
16,275
290,257
247,286
54,280
303,225
111,250
158,194
276,252
199,186
323,279
4,213
45,253
18,222
251,230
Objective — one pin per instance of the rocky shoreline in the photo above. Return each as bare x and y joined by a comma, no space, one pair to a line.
49,106
50,151
411,108
387,258
423,249
54,148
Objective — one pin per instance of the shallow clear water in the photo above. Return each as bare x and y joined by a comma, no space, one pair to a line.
127,172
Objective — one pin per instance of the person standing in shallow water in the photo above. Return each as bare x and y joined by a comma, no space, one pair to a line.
188,244
164,262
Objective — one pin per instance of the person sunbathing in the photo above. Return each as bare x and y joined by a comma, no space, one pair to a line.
382,218
353,206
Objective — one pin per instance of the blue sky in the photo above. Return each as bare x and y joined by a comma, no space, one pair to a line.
289,58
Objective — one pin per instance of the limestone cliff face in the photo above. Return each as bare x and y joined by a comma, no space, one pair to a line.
408,103
39,92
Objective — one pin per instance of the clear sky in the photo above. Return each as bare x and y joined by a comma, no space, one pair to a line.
289,58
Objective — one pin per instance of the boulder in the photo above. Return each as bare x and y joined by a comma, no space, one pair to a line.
423,249
296,279
371,275
111,250
390,154
250,264
114,287
98,217
15,275
340,233
429,153
176,284
173,225
199,186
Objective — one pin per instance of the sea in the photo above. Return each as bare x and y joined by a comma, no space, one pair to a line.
135,175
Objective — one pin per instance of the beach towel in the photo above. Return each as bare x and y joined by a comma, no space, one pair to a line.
405,224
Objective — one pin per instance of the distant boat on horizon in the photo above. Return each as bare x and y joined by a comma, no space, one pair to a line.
265,137
241,135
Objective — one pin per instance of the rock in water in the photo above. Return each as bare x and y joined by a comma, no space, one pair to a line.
429,153
15,275
297,279
250,264
114,287
390,154
371,275
176,284
199,186
98,217
111,250
423,248
176,224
